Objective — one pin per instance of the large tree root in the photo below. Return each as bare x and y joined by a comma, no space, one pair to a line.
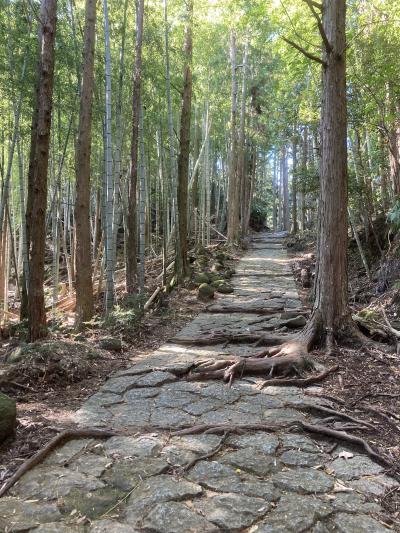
338,414
229,369
353,439
290,357
212,340
216,308
299,382
218,429
61,438
311,428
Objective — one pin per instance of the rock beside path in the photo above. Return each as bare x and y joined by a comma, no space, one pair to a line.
8,417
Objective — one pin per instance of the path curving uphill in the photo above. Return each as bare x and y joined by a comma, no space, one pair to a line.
150,479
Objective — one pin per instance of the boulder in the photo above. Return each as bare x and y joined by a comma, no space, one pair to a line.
8,416
222,286
201,277
112,344
206,292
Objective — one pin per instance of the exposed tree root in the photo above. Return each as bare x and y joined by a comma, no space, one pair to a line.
216,308
299,382
217,429
224,429
229,369
339,414
383,414
14,384
311,428
61,438
212,340
347,437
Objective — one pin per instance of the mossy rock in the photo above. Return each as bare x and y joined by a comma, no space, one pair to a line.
206,292
228,273
8,416
202,261
16,355
217,267
201,277
221,256
222,287
112,344
80,338
218,283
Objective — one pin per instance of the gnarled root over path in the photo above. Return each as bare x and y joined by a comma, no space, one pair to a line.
277,362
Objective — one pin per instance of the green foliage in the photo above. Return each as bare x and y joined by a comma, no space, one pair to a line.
394,215
258,215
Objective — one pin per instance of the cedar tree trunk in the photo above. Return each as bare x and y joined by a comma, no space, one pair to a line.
83,258
36,304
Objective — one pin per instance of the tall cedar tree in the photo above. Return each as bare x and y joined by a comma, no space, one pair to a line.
331,311
83,258
131,226
38,186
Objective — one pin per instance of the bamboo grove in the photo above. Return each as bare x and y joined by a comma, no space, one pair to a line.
131,130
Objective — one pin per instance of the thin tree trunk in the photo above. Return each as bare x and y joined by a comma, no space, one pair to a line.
170,120
275,193
294,184
285,189
120,135
142,203
241,166
359,245
233,187
83,258
6,183
24,244
181,263
109,186
131,236
38,189
304,170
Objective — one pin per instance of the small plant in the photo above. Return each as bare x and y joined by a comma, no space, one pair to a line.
394,215
258,216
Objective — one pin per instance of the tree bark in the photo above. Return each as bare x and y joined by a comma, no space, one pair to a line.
233,187
83,257
181,263
241,161
285,189
36,303
275,193
304,168
294,184
331,312
108,164
131,226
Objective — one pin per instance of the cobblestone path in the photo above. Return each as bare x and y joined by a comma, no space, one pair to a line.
256,482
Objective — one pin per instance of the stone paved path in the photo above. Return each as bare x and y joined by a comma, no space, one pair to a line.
257,482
